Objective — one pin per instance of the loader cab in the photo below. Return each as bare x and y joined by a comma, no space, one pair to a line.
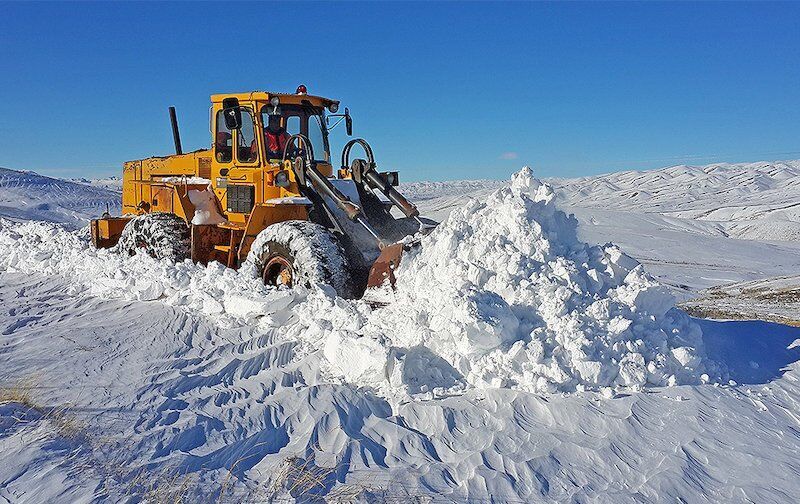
243,169
240,121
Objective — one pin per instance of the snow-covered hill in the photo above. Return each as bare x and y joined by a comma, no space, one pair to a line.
30,196
759,201
110,183
693,226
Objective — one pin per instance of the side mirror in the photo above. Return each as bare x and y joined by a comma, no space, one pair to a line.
232,113
348,121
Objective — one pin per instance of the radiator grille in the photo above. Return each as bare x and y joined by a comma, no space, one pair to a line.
240,198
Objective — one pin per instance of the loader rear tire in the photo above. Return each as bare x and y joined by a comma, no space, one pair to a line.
292,253
161,235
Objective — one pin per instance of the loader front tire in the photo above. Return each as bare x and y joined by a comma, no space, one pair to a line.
161,235
293,253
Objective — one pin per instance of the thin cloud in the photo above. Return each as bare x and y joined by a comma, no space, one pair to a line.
509,155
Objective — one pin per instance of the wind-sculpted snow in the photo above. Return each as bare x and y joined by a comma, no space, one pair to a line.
501,295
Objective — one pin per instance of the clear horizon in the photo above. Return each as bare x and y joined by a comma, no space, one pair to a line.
441,91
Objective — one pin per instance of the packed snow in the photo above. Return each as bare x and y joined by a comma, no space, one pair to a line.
514,362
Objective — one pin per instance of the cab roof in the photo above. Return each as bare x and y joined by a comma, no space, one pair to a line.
264,96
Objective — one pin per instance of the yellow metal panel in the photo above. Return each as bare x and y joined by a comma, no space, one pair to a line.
106,231
264,215
264,97
161,199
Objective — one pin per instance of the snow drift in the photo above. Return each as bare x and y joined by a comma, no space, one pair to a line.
502,294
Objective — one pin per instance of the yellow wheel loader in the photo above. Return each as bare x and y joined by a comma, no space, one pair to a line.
266,191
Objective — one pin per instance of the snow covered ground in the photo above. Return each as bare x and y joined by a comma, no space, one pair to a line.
694,227
515,364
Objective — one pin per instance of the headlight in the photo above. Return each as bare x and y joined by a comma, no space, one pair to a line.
333,107
282,178
275,101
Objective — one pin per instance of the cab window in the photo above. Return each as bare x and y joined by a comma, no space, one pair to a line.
223,140
306,121
293,125
247,148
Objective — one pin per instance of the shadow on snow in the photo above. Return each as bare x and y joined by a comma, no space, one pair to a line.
754,351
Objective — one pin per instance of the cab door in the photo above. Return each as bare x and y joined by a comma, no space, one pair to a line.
244,178
247,140
222,148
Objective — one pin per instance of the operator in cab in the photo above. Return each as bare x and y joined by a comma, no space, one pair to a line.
276,137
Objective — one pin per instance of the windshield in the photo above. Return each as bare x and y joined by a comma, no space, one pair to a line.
295,119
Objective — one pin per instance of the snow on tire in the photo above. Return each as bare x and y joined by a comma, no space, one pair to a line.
300,253
161,235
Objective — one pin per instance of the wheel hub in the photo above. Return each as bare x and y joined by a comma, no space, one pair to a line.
278,271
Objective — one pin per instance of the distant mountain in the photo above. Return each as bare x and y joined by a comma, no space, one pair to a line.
110,183
26,195
754,201
758,201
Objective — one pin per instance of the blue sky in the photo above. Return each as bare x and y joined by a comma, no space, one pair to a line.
441,91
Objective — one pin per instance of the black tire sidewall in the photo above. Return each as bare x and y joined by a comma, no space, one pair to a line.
304,275
160,235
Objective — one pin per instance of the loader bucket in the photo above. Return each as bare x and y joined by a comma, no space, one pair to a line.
384,267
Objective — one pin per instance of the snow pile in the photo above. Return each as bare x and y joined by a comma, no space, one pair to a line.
205,207
503,294
226,296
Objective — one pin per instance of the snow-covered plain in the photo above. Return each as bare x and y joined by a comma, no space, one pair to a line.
516,364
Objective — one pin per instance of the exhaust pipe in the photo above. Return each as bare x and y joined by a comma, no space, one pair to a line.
176,135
